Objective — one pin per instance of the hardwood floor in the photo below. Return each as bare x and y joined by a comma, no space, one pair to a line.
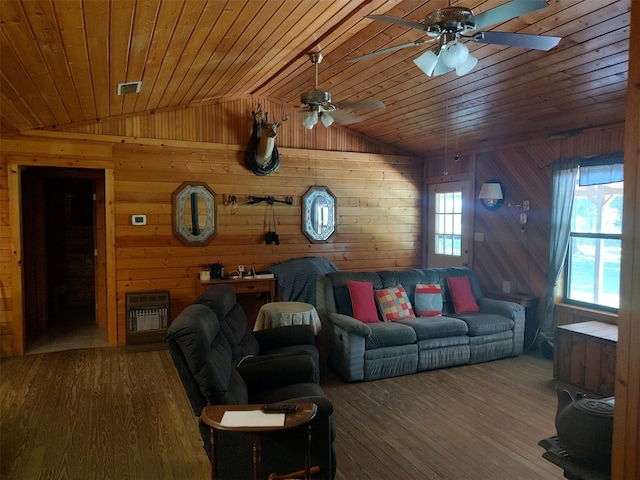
105,413
480,422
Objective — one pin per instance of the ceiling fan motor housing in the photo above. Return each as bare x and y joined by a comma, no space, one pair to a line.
449,20
315,97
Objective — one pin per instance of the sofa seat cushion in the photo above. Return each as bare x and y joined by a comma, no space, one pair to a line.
443,342
484,323
436,327
390,361
387,334
494,337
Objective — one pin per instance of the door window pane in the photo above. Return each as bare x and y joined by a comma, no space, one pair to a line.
448,223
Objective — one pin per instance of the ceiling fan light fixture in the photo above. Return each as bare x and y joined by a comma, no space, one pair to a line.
455,54
327,119
427,62
310,119
468,65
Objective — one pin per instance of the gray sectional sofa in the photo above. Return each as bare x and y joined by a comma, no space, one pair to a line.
368,351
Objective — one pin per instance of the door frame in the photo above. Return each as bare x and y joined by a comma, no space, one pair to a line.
468,203
105,259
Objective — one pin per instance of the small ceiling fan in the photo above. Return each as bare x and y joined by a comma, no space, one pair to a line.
318,104
449,25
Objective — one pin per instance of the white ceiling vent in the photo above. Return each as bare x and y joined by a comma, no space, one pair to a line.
129,87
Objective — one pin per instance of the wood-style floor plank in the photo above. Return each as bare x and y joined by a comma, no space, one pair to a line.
480,422
106,413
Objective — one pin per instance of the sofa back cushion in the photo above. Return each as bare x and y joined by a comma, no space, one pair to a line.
236,330
203,359
234,325
219,298
341,289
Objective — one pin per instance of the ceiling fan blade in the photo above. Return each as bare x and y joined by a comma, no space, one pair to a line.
362,105
398,21
506,11
523,40
345,118
386,50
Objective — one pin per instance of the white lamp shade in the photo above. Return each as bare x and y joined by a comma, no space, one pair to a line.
455,53
327,119
427,62
491,191
310,119
468,65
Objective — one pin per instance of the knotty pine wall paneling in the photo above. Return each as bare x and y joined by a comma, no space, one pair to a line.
378,208
378,214
378,198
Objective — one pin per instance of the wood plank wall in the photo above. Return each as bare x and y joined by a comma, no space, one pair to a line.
378,207
378,191
508,252
229,122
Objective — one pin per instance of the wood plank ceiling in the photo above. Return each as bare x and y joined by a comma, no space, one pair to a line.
61,60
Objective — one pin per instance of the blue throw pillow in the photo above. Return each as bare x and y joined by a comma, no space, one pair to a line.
428,300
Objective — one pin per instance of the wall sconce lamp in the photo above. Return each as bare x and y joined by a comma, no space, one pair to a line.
491,195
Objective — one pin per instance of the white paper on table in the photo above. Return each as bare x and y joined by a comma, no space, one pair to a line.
252,418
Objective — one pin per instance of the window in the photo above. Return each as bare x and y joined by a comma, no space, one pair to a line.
449,227
448,223
592,275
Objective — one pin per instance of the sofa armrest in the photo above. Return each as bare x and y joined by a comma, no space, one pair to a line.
280,337
500,307
350,324
511,310
273,371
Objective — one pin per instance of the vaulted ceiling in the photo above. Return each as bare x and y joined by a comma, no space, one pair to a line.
61,61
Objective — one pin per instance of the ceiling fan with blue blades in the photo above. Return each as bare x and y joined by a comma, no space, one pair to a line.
450,25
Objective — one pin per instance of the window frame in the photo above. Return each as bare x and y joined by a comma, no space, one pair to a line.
567,268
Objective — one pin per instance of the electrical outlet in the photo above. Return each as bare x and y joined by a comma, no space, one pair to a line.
241,269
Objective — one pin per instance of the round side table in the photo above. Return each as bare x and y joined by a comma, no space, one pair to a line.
284,314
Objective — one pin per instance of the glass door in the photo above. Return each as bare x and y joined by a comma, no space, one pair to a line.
450,223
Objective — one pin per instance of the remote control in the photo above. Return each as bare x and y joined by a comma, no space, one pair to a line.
279,408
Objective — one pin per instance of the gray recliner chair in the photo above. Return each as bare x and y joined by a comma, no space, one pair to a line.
220,361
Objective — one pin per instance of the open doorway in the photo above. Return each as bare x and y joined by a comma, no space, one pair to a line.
59,246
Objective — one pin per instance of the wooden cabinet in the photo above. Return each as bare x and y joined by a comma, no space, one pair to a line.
585,356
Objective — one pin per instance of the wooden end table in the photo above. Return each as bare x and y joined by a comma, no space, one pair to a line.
212,415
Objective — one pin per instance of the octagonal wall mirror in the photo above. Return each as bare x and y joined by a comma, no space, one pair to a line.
195,213
318,214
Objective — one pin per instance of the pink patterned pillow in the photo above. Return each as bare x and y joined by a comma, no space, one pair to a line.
362,302
394,304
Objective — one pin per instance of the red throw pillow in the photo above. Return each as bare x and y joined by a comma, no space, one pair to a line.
461,295
362,301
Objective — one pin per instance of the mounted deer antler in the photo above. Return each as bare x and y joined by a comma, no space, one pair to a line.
262,154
